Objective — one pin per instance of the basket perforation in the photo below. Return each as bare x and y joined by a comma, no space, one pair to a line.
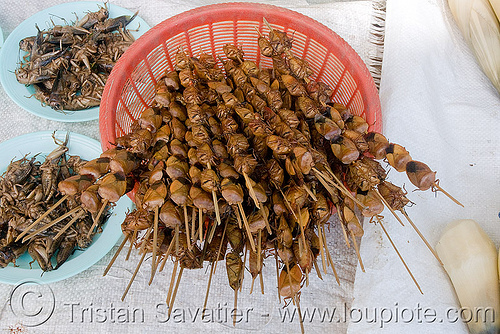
168,58
139,74
316,56
149,93
364,116
150,71
349,102
357,102
132,102
306,47
127,92
221,37
123,118
198,41
333,71
123,106
321,70
120,132
139,95
158,62
143,83
131,85
347,88
338,84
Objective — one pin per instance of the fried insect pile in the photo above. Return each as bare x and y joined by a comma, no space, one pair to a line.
68,65
235,162
27,189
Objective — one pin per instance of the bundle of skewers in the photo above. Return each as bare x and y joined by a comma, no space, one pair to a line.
234,162
28,188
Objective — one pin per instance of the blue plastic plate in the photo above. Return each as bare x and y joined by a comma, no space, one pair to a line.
10,55
88,149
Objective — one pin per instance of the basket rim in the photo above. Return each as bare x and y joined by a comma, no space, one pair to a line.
199,16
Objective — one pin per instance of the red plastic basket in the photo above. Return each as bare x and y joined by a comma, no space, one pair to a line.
130,86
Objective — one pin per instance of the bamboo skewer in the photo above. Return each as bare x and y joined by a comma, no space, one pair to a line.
302,234
213,268
309,192
134,236
258,204
247,227
326,186
242,272
39,219
301,321
329,257
193,224
96,219
261,276
155,242
177,239
388,206
143,251
356,248
133,276
421,236
299,220
171,305
277,272
216,207
321,246
288,205
399,255
116,255
259,249
333,267
200,226
344,232
435,185
165,257
318,271
235,306
172,281
212,232
186,222
337,184
251,191
238,219
169,250
47,226
216,203
68,225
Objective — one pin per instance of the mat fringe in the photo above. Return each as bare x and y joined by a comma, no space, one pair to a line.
377,36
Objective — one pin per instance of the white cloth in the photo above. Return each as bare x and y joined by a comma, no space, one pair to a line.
85,303
439,105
